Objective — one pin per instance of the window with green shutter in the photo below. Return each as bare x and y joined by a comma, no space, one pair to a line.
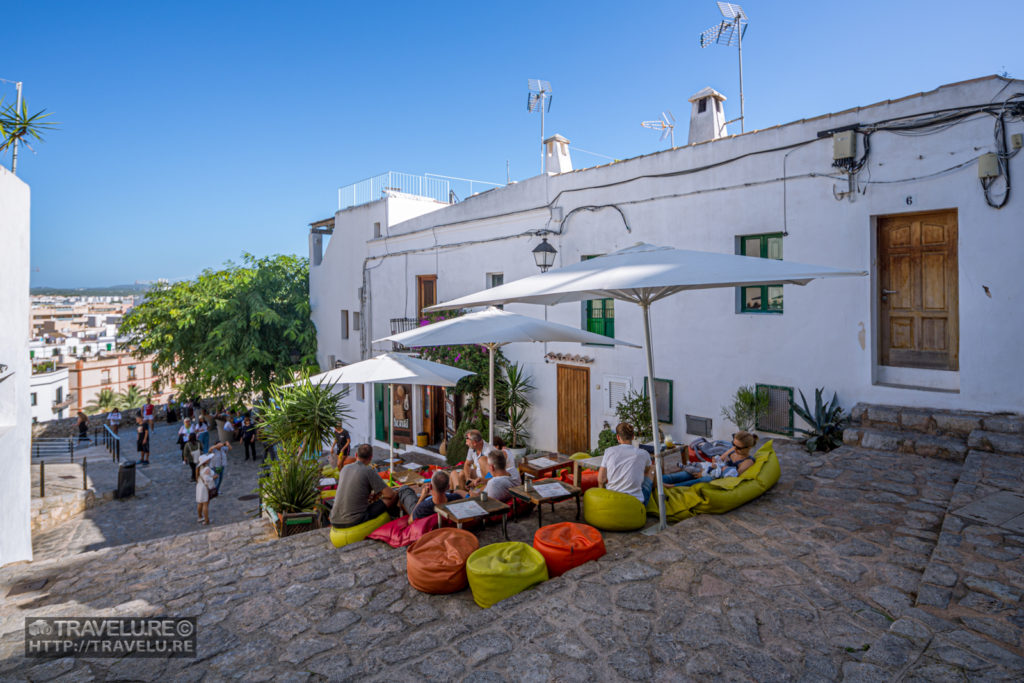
599,314
761,298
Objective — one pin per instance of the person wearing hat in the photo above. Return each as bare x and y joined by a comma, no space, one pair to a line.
204,485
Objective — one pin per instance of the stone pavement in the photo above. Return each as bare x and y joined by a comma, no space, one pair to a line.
163,505
858,565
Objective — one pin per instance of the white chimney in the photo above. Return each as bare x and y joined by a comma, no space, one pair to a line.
556,155
707,118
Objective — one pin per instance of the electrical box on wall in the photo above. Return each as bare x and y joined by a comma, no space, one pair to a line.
988,166
844,145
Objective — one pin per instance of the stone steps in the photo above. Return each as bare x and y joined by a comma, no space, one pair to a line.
934,433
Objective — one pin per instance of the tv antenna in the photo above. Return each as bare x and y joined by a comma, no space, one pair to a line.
729,32
666,124
538,96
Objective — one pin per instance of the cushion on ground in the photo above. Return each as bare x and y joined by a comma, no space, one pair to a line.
579,456
340,537
437,562
613,511
399,533
721,495
328,494
567,545
501,570
588,478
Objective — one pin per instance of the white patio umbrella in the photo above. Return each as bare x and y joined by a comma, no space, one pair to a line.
643,274
494,328
393,368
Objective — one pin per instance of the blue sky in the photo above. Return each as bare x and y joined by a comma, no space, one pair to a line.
191,132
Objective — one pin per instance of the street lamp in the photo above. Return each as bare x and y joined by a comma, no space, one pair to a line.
544,255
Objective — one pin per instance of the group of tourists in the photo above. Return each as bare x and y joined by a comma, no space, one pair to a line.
362,495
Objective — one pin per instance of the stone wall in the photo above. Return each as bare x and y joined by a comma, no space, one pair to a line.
69,425
53,510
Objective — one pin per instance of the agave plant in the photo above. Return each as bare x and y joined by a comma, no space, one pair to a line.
299,419
826,422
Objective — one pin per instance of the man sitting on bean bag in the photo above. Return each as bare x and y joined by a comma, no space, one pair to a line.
362,495
435,493
626,468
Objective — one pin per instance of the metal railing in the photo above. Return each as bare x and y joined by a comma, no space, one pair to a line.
42,476
52,447
402,325
110,440
372,189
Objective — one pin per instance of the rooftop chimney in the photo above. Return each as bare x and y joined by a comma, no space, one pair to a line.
556,155
707,118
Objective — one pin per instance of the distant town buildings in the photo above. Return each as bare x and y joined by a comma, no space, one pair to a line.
75,357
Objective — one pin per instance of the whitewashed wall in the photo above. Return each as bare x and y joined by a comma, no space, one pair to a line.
15,419
826,336
45,386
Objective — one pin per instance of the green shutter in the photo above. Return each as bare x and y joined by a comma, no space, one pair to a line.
763,298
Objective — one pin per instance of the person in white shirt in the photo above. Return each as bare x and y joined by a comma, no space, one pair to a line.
500,482
626,468
219,462
476,466
204,482
184,430
114,418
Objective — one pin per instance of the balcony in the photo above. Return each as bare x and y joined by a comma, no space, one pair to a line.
399,325
442,189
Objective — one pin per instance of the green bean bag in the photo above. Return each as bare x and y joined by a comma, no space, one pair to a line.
501,570
613,510
721,495
340,537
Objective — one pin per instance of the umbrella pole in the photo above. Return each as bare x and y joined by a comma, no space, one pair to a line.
391,431
490,391
646,308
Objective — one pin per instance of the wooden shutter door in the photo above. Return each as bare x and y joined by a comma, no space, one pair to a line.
573,409
918,292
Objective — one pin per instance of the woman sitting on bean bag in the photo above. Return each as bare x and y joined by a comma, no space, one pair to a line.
732,463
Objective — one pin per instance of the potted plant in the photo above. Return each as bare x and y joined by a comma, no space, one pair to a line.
299,420
635,408
747,406
513,388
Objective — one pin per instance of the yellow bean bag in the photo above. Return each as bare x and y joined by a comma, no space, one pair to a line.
340,537
579,456
613,510
501,570
721,495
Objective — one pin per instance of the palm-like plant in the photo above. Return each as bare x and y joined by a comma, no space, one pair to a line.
300,419
18,127
131,398
512,389
104,402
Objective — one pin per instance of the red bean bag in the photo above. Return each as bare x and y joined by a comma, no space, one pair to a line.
567,545
399,533
437,562
588,478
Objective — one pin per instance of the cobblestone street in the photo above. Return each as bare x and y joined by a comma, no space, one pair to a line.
858,565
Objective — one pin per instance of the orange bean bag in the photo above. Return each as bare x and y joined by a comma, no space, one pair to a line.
567,545
437,562
588,478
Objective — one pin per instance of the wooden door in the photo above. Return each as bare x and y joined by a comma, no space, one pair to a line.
918,291
573,409
432,406
426,293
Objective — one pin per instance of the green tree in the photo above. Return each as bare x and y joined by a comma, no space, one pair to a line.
233,332
104,402
131,398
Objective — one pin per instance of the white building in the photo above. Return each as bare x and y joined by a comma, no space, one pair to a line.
48,395
891,188
15,371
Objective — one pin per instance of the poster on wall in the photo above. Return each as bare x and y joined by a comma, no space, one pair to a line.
449,414
402,406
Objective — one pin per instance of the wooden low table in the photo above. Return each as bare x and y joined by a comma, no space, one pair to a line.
536,497
490,507
540,471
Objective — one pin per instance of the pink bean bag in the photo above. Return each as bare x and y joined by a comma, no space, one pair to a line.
399,533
